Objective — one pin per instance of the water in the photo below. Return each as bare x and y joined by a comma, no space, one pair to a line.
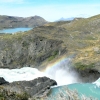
14,30
27,73
87,89
61,71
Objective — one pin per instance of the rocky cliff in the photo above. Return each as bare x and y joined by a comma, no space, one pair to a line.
82,37
26,90
28,49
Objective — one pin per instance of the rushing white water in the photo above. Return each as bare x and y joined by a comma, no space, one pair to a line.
60,75
61,72
97,82
25,73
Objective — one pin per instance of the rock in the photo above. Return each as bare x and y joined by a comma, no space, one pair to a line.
96,49
23,90
3,81
27,50
88,75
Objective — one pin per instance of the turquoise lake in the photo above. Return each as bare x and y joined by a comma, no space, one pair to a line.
87,89
14,30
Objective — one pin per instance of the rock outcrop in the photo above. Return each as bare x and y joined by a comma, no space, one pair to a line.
3,81
28,49
88,75
26,90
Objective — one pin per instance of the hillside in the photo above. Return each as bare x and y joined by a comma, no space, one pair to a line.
82,37
46,43
27,49
13,22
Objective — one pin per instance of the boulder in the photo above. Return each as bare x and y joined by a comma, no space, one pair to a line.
27,90
3,81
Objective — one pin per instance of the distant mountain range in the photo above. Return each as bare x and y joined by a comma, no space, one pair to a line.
68,19
12,21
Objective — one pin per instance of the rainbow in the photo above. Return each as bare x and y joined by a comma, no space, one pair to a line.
60,71
57,62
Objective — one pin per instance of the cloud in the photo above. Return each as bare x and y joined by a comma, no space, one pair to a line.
51,12
54,12
11,1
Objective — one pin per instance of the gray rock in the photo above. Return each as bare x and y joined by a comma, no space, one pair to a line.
88,75
3,81
23,90
27,50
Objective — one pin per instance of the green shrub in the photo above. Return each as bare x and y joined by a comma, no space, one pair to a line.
82,66
53,55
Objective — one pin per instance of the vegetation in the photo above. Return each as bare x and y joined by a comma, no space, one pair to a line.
9,95
81,66
43,44
80,36
68,95
54,54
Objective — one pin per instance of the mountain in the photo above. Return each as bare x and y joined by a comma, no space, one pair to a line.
66,19
81,37
12,22
69,19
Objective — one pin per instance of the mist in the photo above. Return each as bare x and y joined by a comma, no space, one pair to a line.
63,72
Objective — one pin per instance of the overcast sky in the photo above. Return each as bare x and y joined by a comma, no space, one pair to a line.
50,10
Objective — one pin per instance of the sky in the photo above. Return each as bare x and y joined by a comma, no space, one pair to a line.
50,10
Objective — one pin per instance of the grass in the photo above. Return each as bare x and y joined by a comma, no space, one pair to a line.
10,95
81,66
54,54
80,36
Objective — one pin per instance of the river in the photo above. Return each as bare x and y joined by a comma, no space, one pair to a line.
60,71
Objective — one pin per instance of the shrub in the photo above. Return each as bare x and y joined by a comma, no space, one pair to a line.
82,66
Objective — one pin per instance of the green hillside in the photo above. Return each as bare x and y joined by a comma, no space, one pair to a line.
46,43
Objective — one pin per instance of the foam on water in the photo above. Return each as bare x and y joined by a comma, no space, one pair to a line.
60,71
83,89
97,82
25,73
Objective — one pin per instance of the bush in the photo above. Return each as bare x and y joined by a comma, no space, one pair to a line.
82,66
